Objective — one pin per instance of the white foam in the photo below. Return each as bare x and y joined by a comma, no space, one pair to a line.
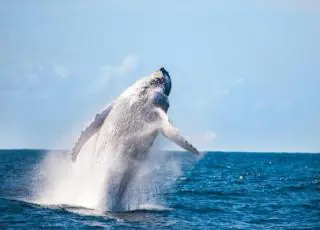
78,184
85,183
154,207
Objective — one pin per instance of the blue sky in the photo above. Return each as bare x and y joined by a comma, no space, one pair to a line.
246,75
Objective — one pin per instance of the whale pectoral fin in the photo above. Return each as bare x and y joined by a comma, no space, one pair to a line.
172,133
89,131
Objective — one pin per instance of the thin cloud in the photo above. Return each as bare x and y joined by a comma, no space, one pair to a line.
206,140
20,82
221,91
239,81
61,71
33,80
203,141
127,65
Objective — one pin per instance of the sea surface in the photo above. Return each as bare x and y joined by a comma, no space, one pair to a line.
221,190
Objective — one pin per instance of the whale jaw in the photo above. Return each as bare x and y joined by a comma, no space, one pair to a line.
161,79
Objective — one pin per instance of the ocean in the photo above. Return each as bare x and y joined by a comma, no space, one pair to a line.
221,190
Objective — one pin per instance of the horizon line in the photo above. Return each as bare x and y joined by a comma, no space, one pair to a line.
171,150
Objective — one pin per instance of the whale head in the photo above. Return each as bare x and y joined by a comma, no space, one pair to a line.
160,79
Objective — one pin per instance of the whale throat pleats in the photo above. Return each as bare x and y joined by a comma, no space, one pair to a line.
89,131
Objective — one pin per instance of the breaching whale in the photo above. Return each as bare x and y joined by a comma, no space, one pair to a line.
127,128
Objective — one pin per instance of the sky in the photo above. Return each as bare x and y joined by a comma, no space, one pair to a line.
245,74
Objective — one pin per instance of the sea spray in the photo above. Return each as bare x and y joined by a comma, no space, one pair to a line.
155,176
86,183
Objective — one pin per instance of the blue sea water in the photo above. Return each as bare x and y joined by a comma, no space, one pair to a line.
219,191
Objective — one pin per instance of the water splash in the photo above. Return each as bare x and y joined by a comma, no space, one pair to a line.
86,182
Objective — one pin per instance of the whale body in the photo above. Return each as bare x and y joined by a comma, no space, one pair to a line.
126,129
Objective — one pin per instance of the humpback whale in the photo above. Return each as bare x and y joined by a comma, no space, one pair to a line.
126,129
